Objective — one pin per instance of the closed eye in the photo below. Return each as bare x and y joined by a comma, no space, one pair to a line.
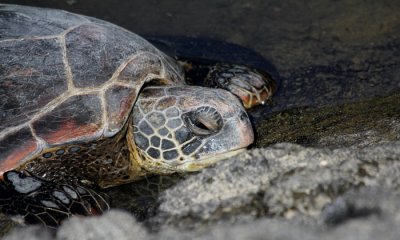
204,121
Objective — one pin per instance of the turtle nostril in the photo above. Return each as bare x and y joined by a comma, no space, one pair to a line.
243,116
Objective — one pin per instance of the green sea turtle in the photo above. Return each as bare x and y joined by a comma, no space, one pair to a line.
85,104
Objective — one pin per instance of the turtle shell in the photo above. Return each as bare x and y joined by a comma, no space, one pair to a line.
67,78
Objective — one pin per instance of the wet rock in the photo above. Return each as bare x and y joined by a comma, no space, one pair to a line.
357,124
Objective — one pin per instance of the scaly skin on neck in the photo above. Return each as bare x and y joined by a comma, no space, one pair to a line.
140,165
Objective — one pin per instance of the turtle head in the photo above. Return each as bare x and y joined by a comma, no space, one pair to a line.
187,128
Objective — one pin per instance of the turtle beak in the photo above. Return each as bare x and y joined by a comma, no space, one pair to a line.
199,164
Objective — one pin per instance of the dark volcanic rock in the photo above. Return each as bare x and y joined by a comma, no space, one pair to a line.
356,124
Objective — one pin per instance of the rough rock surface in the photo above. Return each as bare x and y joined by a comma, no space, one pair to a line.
284,180
285,191
112,225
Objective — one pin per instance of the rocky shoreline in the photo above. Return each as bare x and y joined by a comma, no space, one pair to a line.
285,190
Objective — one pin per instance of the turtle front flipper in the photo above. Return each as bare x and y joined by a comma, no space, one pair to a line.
38,201
251,86
214,63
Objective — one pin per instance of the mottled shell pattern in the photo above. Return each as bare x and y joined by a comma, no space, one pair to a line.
66,78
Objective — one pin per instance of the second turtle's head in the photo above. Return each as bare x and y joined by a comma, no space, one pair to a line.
186,128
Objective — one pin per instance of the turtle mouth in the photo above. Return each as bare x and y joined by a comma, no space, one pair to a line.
192,164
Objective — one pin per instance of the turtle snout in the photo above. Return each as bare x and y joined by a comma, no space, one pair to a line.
237,133
240,130
243,130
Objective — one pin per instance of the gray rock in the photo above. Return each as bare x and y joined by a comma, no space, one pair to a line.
372,213
283,180
282,192
368,213
115,224
260,229
30,232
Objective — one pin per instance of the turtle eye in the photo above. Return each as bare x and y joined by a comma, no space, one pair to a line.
203,121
